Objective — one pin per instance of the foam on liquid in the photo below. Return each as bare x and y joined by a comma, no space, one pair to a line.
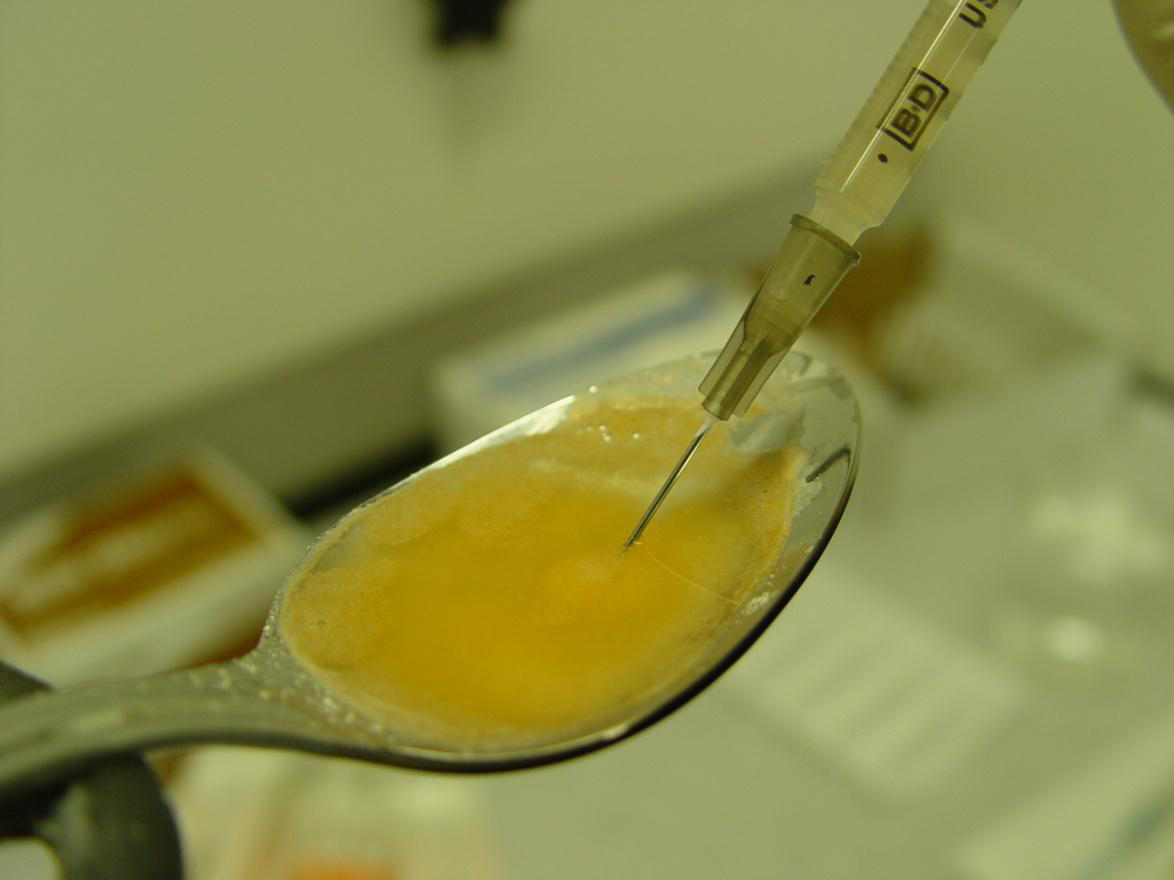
489,603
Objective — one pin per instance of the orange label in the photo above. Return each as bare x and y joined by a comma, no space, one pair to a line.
121,548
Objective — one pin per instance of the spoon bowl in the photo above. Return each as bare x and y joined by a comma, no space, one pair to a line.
272,697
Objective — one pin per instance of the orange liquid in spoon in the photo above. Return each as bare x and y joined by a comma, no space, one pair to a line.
488,603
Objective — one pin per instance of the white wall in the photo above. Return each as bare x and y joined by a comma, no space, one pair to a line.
192,194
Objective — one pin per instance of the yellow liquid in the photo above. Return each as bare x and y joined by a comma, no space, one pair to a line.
488,603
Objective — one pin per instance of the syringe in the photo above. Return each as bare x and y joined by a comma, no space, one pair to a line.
855,191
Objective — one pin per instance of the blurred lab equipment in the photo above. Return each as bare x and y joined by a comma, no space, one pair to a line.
1148,25
459,21
105,822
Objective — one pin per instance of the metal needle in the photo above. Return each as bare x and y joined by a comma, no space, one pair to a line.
668,483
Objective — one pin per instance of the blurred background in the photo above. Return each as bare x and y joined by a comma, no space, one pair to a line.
259,260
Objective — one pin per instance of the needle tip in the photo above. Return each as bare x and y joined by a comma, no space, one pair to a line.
663,492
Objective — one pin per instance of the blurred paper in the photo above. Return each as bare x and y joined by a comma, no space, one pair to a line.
1011,437
888,699
166,567
249,814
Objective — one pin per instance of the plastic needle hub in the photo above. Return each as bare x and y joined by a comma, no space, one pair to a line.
667,486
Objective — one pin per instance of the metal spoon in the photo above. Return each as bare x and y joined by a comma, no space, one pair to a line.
267,698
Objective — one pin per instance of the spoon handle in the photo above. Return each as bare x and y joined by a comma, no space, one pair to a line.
50,735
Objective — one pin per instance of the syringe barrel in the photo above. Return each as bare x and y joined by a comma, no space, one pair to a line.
857,189
809,265
905,112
